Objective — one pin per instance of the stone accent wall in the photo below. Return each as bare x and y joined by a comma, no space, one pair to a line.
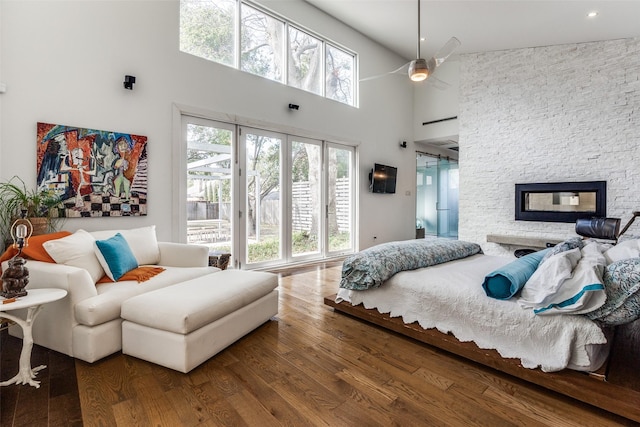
547,114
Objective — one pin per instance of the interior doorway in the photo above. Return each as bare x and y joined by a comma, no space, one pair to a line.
437,192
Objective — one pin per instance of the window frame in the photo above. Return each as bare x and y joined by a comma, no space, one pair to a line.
284,78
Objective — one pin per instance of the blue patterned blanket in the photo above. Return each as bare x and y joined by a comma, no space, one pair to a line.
371,267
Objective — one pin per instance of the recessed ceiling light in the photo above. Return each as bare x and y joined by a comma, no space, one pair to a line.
592,14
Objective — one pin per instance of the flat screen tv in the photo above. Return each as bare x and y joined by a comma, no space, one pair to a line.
382,179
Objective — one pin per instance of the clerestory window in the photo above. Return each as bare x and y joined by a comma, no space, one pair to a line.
240,34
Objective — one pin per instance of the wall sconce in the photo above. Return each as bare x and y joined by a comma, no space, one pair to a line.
129,81
403,144
16,277
294,107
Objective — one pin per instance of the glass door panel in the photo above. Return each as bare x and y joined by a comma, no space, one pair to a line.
340,198
306,197
267,198
427,195
447,198
437,191
263,196
209,192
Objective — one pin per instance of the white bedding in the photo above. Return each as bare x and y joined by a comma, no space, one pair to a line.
450,297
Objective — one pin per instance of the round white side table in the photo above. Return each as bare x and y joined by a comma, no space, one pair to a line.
33,302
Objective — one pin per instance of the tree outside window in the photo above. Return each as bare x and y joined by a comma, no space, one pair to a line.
261,44
339,80
207,30
305,65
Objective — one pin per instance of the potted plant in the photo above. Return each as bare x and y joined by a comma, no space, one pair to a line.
37,205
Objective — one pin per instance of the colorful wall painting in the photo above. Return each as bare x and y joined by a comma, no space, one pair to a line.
96,173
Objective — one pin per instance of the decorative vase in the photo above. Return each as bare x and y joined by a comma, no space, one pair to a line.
40,225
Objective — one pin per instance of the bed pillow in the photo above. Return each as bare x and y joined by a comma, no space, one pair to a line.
567,245
507,281
115,256
622,286
548,278
624,250
569,282
76,250
370,267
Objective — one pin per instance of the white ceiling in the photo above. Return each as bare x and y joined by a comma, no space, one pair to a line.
485,25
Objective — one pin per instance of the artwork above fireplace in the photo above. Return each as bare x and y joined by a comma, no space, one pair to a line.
561,201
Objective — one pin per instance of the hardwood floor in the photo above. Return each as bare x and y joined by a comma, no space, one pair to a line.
55,403
308,366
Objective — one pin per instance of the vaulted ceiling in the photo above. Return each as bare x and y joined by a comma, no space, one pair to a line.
485,25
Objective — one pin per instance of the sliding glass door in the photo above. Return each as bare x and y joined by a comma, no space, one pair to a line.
305,213
261,196
339,164
209,183
267,198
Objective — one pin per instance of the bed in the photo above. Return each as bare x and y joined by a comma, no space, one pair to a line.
439,297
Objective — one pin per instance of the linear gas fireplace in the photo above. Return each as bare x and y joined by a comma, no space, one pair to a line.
561,201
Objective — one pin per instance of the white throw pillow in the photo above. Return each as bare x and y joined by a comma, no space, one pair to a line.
142,241
624,250
143,244
76,250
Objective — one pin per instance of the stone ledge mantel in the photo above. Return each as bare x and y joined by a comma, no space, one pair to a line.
530,242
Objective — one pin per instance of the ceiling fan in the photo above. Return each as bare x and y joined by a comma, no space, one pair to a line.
420,69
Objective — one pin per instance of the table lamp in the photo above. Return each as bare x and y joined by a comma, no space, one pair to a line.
16,277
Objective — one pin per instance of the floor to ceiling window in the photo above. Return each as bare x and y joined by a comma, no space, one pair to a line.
268,198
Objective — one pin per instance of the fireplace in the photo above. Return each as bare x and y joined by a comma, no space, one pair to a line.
561,201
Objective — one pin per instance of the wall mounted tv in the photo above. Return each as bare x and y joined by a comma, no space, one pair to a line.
382,179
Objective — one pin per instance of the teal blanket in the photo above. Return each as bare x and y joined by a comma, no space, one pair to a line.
371,267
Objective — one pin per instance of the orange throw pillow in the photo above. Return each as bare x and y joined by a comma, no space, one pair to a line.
35,250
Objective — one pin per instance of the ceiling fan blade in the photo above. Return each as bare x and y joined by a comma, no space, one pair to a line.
397,70
437,83
402,69
446,50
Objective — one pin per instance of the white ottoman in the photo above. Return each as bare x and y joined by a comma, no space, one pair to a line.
183,325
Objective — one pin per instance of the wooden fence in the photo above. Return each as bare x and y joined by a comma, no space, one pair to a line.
301,209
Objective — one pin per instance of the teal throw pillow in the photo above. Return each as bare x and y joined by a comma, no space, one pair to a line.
115,256
507,281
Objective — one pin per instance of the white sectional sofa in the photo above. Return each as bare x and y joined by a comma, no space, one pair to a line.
86,324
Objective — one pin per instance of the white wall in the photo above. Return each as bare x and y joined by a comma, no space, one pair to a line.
64,62
2,82
547,114
434,101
